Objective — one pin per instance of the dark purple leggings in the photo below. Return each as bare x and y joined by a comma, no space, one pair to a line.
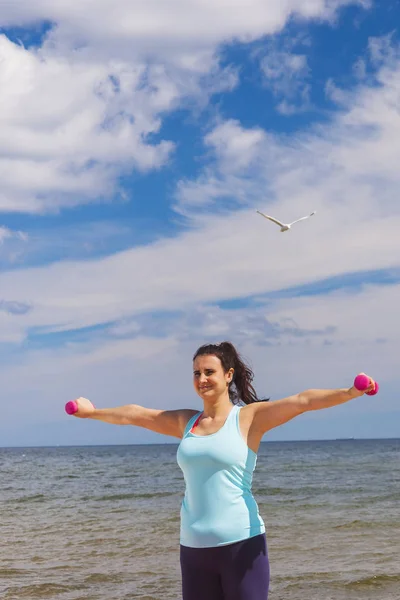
238,571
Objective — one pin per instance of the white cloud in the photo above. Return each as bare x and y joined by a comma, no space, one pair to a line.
153,26
336,94
12,245
348,167
237,147
156,371
286,75
68,127
77,112
382,49
238,153
227,259
278,65
347,170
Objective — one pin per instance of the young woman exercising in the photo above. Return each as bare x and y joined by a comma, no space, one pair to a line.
223,549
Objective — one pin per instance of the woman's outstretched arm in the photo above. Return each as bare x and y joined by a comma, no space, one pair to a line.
267,415
166,422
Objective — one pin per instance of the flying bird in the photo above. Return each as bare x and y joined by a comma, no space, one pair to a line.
285,226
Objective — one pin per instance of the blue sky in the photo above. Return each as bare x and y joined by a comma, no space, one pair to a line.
136,147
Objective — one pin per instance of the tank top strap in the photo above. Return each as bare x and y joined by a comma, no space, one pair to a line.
237,423
232,423
190,423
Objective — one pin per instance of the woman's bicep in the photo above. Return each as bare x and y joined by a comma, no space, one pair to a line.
165,422
268,415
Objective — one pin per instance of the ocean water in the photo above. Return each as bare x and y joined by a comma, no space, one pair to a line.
102,523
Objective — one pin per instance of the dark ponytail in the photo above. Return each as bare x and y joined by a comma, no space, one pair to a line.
240,388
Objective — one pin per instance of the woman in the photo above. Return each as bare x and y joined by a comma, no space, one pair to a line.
223,549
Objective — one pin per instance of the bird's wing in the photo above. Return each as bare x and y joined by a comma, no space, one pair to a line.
302,218
271,219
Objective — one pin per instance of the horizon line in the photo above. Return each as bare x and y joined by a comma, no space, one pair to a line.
341,439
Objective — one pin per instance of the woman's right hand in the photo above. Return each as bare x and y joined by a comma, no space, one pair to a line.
85,408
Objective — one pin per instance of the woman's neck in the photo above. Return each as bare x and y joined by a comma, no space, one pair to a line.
217,409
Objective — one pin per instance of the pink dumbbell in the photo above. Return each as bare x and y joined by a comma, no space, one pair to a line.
362,382
71,407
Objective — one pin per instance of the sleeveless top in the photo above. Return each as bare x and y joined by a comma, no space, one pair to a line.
218,507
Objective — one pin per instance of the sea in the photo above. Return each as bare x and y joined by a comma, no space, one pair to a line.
102,522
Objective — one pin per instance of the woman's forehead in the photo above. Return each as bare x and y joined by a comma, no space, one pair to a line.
207,361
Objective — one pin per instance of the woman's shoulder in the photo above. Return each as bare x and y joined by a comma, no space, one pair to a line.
246,413
188,415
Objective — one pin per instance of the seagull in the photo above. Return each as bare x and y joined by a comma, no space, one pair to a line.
285,226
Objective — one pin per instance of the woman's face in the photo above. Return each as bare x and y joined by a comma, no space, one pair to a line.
209,378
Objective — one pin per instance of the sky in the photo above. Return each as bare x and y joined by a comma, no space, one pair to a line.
138,138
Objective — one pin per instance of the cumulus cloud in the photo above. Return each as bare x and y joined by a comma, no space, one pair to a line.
69,127
340,166
152,26
347,170
237,147
85,106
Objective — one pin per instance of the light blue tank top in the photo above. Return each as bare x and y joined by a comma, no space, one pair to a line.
218,507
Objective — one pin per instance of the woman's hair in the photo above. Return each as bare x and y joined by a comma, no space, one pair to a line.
240,388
